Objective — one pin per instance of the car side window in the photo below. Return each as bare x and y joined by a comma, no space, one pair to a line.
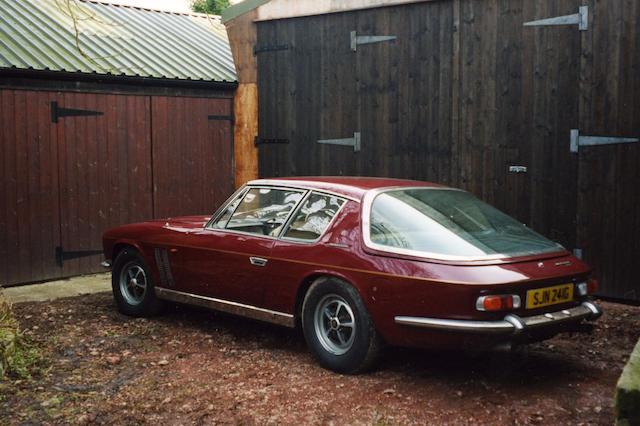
226,215
263,211
314,217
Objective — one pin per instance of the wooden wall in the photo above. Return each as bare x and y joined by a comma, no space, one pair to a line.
63,184
462,94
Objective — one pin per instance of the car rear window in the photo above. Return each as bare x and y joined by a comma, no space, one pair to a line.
448,223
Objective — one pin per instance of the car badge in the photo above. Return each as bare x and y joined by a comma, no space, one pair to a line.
540,265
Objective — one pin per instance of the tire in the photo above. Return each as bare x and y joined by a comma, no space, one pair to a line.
329,306
132,286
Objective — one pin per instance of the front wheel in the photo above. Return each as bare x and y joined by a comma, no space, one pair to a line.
338,329
132,286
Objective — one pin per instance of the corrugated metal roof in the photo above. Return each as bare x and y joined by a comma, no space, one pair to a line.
113,39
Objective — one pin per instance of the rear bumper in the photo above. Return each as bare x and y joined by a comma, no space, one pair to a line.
511,324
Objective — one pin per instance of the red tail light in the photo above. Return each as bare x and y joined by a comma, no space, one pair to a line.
592,286
503,302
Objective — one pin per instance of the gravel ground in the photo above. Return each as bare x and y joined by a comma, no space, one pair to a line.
191,366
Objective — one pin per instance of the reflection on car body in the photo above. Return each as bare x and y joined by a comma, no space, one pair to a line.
358,262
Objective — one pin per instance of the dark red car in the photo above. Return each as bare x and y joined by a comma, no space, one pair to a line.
358,262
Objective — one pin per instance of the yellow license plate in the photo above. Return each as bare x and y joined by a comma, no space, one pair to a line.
541,297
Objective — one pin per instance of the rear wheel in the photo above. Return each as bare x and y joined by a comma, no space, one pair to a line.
132,286
337,327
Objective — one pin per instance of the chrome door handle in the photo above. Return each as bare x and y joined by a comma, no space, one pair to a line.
258,261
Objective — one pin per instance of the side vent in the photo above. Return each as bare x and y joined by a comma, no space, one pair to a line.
164,267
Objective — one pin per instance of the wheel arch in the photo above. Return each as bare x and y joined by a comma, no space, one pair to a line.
120,246
309,280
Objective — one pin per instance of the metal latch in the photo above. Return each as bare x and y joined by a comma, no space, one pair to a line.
578,140
357,40
581,19
354,141
518,169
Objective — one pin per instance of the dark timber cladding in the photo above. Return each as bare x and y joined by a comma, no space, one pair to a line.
115,159
463,93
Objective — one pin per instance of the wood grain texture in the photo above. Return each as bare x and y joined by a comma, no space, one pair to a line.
63,184
192,155
609,176
463,93
29,228
245,153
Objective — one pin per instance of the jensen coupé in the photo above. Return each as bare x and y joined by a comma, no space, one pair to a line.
358,263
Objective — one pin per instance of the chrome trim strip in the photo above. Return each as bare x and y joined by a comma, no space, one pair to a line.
457,325
366,231
511,324
234,308
285,184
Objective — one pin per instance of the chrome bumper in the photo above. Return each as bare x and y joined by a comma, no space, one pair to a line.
511,324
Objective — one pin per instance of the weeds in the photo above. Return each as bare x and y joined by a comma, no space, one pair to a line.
18,355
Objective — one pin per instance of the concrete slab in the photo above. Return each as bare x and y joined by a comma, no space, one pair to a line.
52,290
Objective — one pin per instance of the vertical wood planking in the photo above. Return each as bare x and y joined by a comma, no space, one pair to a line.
8,201
192,162
63,184
29,190
609,177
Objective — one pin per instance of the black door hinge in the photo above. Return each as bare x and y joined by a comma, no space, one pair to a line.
272,141
221,117
274,48
58,112
62,255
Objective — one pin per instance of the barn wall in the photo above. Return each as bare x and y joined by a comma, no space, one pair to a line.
63,184
462,94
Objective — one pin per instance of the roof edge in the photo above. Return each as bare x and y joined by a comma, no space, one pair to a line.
151,9
114,78
239,9
285,9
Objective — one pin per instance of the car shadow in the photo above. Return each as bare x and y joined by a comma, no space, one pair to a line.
531,366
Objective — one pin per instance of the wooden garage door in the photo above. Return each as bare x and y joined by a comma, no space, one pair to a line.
105,172
73,165
29,213
192,155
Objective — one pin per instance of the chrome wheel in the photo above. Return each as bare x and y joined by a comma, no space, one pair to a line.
335,324
133,283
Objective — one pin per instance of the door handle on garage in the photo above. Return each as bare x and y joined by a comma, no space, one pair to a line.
258,261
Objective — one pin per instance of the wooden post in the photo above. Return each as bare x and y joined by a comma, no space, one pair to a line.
246,129
242,33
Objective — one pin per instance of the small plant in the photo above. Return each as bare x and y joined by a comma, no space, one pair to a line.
18,356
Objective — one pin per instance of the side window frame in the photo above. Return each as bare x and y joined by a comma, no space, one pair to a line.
295,212
241,194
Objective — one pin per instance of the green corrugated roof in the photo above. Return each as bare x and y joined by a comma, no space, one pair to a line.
113,39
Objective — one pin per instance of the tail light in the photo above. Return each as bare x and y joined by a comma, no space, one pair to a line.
588,287
503,302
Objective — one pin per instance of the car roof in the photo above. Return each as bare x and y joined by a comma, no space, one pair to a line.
353,187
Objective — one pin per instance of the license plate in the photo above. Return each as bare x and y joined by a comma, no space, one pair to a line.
541,297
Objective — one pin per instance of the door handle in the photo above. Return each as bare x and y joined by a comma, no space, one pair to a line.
258,261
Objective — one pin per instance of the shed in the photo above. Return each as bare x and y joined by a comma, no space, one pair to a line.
532,105
110,114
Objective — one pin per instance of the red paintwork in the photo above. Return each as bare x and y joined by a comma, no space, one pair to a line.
215,263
